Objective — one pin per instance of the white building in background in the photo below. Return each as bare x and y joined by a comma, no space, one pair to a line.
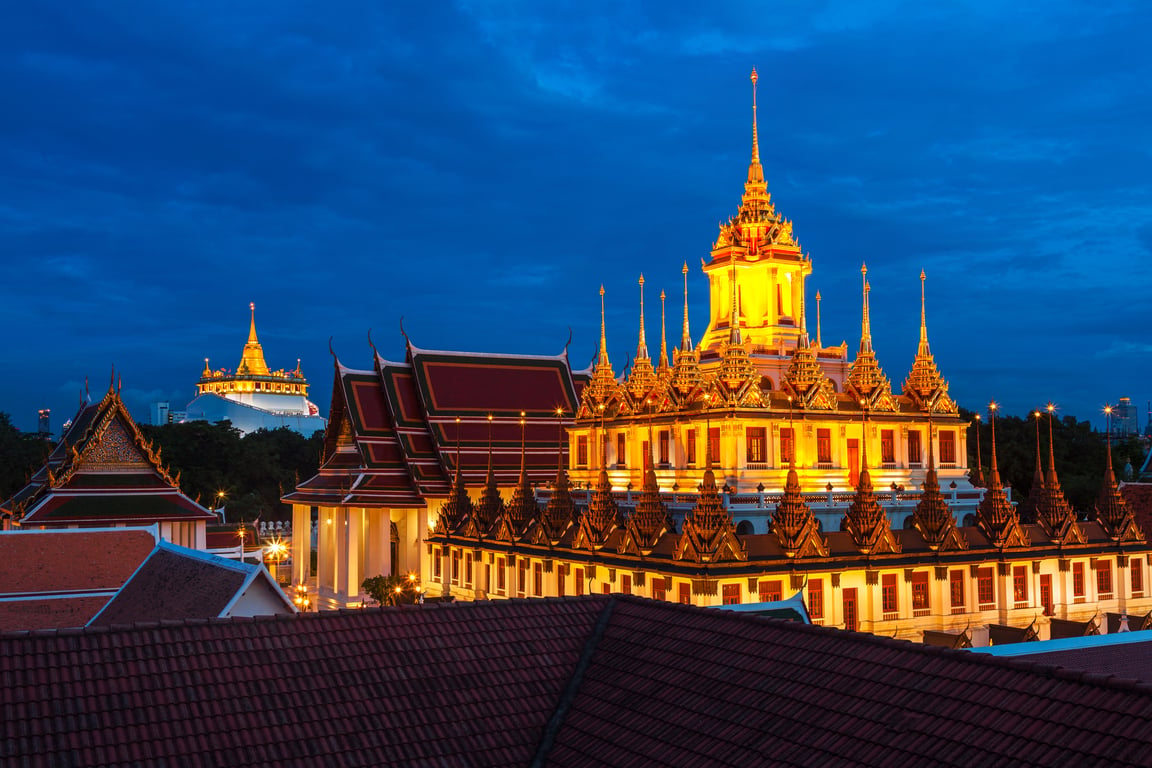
255,397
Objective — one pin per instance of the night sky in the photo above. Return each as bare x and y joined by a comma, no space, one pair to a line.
481,168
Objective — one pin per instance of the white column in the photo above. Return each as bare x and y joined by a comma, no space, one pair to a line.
382,544
326,550
412,547
350,550
301,543
372,540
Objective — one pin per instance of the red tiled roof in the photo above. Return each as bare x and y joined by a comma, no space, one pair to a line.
1139,499
62,578
602,680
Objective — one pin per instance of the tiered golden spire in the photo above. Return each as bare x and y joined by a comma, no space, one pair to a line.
686,373
866,380
708,535
252,361
491,505
560,511
932,517
995,516
1027,508
819,338
603,382
1053,512
522,508
755,169
650,519
458,506
805,379
866,521
925,385
662,366
795,525
642,378
1112,511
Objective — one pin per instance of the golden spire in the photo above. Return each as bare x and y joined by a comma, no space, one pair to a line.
865,324
932,517
866,521
252,361
522,509
603,332
924,384
603,379
995,516
865,377
491,505
755,170
663,334
1053,512
207,371
642,346
819,340
1111,510
686,338
922,350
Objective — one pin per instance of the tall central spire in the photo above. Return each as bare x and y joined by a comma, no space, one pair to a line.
686,338
922,350
252,361
642,346
755,170
603,333
865,323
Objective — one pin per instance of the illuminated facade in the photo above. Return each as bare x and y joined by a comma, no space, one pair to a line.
254,396
760,463
765,396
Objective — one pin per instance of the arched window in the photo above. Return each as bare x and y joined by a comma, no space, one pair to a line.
744,528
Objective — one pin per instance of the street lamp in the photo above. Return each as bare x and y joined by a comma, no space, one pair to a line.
219,510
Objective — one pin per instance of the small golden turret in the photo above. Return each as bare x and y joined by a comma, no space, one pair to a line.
252,361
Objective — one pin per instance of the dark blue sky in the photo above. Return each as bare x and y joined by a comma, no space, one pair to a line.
481,168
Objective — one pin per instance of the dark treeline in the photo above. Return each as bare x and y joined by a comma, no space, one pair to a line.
21,455
253,471
1080,455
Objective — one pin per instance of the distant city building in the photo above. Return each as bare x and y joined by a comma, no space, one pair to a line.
161,413
44,426
1125,418
255,397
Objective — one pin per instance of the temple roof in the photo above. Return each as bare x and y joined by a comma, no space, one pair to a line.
104,472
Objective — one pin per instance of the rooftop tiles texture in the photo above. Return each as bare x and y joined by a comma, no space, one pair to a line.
600,680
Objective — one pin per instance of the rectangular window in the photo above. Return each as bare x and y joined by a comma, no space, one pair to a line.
889,598
561,577
582,451
468,569
501,576
816,598
1078,582
1046,594
770,591
659,588
579,585
956,590
947,446
436,566
1104,579
684,593
850,622
606,588
887,447
1137,569
921,601
663,446
985,593
625,584
824,446
1020,585
538,579
757,445
787,446
647,455
731,594
915,452
690,446
621,444
714,444
521,576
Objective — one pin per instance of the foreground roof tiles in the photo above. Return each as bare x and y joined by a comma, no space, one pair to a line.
600,680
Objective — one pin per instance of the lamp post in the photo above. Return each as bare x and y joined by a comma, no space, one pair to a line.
219,510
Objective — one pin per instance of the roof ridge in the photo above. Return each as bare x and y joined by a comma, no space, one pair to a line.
1018,664
556,722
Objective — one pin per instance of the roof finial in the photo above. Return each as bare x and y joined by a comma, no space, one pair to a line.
819,341
923,350
642,346
457,450
663,334
865,324
1051,448
755,170
686,339
734,319
803,314
252,328
603,334
522,425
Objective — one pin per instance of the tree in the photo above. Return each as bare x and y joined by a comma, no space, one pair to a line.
392,590
21,455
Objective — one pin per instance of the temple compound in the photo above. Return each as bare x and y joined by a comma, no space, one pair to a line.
399,433
760,463
103,473
254,396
